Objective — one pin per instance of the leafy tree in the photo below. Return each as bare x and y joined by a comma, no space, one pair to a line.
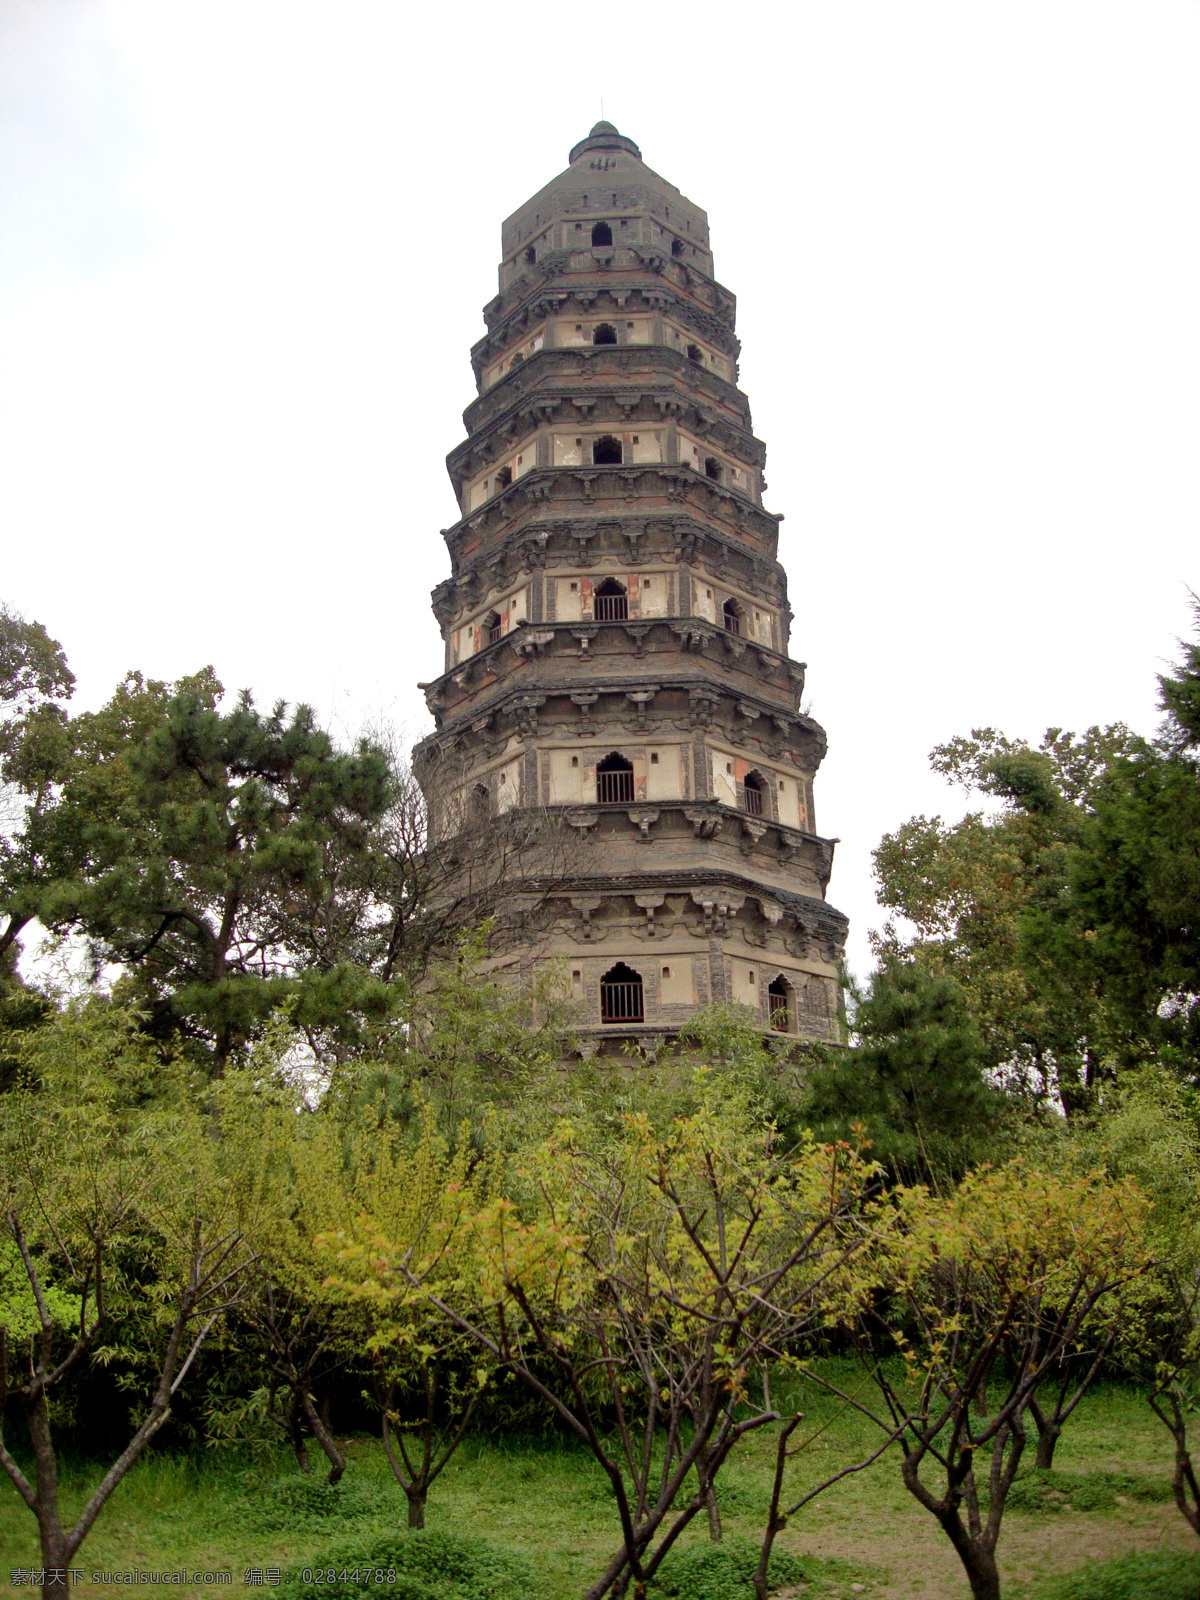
636,1284
197,848
915,1082
1148,1132
105,1165
990,1288
1125,928
968,891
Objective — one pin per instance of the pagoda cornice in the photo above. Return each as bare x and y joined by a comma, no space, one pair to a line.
569,270
583,298
638,489
629,540
644,383
561,658
728,834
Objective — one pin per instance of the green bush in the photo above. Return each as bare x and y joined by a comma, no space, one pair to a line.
1149,1575
1082,1491
725,1571
302,1504
426,1566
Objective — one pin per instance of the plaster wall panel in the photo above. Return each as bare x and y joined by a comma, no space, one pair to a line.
568,604
567,775
508,787
676,980
746,979
664,779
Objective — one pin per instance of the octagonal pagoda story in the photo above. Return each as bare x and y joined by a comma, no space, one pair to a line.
617,628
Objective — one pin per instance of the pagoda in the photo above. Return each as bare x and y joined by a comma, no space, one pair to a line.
617,631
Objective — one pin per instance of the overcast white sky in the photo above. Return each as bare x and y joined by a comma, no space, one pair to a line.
244,247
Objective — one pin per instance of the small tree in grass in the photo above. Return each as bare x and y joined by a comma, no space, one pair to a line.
638,1283
993,1288
105,1164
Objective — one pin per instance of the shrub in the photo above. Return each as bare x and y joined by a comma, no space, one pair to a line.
1148,1575
303,1504
1041,1490
725,1571
427,1566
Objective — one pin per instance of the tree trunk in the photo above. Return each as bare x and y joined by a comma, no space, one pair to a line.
324,1437
715,1531
51,1537
1048,1437
416,1507
978,1561
297,1436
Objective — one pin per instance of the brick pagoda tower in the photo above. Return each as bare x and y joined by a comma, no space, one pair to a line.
617,627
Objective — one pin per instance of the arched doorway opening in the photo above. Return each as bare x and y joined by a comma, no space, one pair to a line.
614,780
731,615
601,233
610,602
493,628
606,452
605,333
621,995
781,1001
752,792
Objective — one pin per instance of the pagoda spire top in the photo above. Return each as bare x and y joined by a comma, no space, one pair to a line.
604,136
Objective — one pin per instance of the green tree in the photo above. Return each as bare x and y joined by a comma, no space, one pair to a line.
199,849
1125,928
119,1211
914,1082
990,1288
637,1283
969,897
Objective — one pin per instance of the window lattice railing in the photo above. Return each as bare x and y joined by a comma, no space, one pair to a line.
611,607
621,1002
614,788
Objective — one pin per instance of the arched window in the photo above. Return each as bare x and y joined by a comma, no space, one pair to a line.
694,353
781,1001
503,478
605,334
610,602
614,780
479,805
677,248
712,468
731,613
530,256
606,452
621,998
752,791
601,233
493,628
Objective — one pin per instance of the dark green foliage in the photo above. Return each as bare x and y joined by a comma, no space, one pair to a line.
915,1083
33,667
308,1504
1124,931
1043,1491
427,1566
1146,1575
202,850
725,1571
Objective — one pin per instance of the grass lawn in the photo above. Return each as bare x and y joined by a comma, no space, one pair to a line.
548,1503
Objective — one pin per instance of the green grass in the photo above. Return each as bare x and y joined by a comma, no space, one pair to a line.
541,1511
1151,1575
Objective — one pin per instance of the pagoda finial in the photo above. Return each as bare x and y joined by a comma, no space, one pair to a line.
604,136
